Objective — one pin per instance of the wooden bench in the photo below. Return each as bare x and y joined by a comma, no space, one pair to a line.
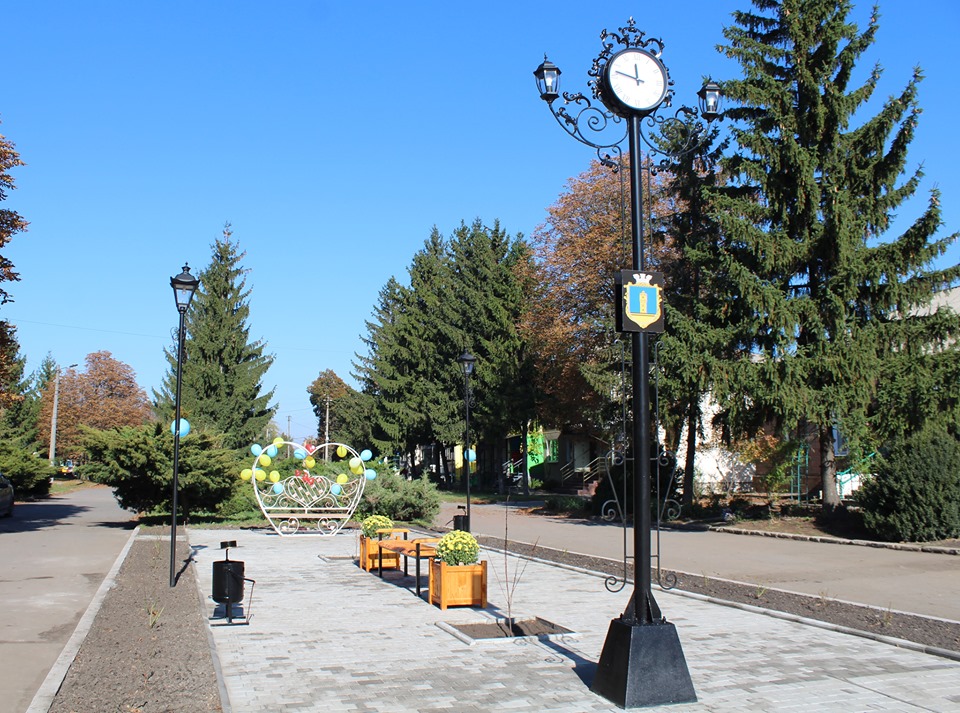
420,549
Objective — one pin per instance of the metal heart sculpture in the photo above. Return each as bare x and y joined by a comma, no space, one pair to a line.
311,489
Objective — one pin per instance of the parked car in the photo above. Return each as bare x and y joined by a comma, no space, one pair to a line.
6,497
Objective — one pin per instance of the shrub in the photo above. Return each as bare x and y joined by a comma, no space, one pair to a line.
458,547
566,503
915,493
415,500
29,474
373,523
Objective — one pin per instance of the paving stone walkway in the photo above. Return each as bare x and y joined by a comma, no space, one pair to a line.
323,635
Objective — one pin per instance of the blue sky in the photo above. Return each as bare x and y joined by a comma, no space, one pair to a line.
333,136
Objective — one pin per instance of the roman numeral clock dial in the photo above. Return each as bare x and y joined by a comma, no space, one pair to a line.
636,80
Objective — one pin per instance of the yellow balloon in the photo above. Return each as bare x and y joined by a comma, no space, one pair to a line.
355,463
277,441
265,460
309,462
342,478
261,475
246,474
342,451
274,476
357,469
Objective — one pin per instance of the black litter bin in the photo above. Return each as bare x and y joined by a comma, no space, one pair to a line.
460,522
228,581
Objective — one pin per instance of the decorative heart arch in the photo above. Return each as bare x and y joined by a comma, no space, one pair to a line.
313,493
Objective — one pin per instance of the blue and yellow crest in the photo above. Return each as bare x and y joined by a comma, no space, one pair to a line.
641,301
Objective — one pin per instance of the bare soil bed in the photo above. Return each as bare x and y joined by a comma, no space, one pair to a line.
148,649
928,632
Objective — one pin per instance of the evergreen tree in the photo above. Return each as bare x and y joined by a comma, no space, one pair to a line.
222,383
697,312
382,372
489,294
19,420
832,299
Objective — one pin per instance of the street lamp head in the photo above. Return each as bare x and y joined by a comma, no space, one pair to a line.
184,285
548,80
467,361
710,95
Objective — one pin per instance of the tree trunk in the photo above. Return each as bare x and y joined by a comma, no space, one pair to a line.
693,423
828,471
525,463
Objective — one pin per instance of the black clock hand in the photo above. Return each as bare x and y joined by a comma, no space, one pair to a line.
632,76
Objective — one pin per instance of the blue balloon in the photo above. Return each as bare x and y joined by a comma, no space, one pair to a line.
184,427
336,489
256,450
272,451
471,455
278,488
300,453
365,455
370,474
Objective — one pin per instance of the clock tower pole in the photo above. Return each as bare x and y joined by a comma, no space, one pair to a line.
642,662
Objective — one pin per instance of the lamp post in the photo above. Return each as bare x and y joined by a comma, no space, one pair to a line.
642,662
53,417
467,362
184,285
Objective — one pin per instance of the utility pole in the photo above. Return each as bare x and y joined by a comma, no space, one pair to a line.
53,419
289,436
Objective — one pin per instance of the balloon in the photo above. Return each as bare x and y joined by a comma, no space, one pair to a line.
265,459
370,474
300,453
471,455
336,489
278,488
342,451
272,451
255,449
184,427
277,441
309,462
274,476
261,475
342,478
365,455
354,462
246,474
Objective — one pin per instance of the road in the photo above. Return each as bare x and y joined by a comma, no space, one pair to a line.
916,582
55,554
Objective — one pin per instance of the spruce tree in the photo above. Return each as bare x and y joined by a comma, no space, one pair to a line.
833,298
222,384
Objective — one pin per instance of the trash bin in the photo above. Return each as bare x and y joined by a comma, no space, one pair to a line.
228,580
460,522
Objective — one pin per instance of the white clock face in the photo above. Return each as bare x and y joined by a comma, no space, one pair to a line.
637,79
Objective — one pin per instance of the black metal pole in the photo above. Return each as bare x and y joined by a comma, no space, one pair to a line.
176,454
644,606
466,446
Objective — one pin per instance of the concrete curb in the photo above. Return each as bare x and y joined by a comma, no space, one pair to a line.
44,696
904,546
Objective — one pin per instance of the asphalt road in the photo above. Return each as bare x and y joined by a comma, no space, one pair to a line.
54,556
915,582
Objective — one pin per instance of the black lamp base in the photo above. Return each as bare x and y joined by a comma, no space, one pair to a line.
643,665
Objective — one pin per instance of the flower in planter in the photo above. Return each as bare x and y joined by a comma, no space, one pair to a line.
374,523
458,547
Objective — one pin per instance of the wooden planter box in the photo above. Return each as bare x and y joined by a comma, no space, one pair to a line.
369,555
463,585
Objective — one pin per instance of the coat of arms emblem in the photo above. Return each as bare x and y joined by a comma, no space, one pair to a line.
641,301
